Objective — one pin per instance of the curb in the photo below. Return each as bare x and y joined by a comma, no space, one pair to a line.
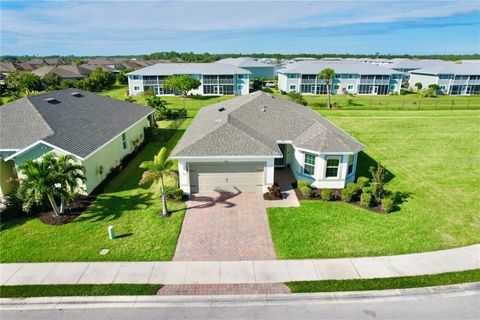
213,301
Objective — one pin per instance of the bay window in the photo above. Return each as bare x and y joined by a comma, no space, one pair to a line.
351,159
309,164
333,164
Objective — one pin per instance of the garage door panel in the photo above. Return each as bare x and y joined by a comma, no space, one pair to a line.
233,177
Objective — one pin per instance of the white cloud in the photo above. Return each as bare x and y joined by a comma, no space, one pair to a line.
100,23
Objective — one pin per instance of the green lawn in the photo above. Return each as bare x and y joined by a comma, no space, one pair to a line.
403,102
433,158
384,284
131,209
67,290
191,104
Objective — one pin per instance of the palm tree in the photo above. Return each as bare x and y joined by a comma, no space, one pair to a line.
327,75
71,174
156,170
48,178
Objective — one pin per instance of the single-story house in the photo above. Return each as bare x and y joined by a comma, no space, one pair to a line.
258,69
98,131
238,143
216,79
65,72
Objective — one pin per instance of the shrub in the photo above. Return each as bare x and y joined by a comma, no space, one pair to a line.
378,181
274,191
366,190
347,194
297,97
327,194
363,182
366,199
387,204
306,191
354,187
173,193
303,183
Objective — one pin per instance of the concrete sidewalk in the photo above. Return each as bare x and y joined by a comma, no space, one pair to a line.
231,272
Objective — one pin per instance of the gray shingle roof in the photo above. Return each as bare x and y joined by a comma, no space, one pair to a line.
451,68
63,71
244,62
243,129
344,67
79,125
189,68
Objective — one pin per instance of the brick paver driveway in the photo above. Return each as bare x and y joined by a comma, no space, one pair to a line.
225,226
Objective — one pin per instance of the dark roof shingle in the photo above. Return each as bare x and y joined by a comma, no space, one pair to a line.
77,124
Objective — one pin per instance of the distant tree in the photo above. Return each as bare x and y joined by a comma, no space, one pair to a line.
183,84
52,80
65,84
419,85
157,170
122,75
98,80
327,75
22,81
430,92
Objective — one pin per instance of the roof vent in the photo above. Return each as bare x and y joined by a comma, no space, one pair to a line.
76,94
52,100
218,120
264,109
221,109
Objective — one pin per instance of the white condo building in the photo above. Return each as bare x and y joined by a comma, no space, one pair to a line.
452,78
215,78
350,78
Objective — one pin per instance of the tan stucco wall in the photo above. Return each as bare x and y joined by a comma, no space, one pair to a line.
111,155
7,170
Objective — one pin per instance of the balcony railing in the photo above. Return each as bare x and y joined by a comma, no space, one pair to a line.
221,81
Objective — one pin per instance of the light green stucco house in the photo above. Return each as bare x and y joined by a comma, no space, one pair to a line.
98,131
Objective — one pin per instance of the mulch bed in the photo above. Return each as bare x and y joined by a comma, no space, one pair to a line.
71,213
337,196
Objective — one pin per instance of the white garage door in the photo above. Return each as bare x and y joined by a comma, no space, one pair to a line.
233,177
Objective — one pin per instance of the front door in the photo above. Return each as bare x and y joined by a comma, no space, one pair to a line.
281,162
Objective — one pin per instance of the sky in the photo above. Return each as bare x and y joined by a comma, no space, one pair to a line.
140,27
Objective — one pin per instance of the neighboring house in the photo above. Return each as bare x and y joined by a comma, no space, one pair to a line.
47,61
98,131
452,78
235,145
350,78
258,69
92,67
215,78
7,68
65,72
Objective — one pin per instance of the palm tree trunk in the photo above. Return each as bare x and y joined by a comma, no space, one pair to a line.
51,199
328,95
62,205
164,200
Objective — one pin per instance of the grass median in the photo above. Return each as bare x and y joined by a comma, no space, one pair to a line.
385,283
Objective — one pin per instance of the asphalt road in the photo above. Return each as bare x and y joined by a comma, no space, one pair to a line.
436,306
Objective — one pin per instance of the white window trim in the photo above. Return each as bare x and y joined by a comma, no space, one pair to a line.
339,158
308,164
353,164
